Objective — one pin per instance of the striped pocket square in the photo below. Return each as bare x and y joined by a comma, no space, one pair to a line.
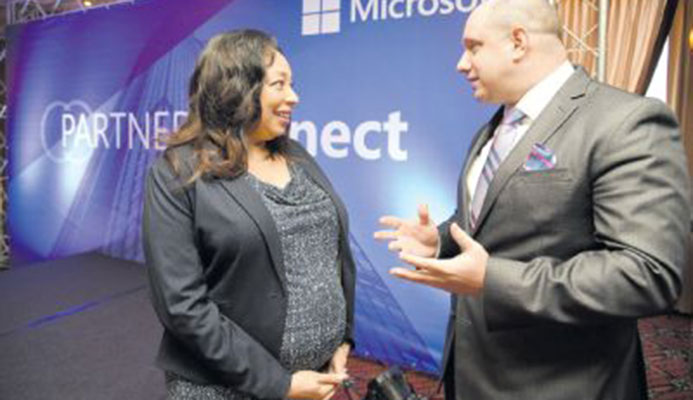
541,158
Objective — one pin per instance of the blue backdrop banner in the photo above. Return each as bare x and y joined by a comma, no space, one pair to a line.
382,109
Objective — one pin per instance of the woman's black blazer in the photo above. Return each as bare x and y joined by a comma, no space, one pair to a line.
216,274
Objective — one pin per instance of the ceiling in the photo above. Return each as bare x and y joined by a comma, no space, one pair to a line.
21,10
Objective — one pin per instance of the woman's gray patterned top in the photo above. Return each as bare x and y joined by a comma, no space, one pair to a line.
315,323
307,223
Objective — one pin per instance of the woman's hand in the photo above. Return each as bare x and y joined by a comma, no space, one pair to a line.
311,385
338,362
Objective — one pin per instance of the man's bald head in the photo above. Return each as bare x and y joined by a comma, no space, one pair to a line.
510,45
537,16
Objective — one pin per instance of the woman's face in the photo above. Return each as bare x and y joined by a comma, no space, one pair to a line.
277,100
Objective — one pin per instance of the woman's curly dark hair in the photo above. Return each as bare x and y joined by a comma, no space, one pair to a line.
224,105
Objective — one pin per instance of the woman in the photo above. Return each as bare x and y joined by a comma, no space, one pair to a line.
245,240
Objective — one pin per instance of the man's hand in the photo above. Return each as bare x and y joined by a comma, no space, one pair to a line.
311,385
463,274
418,236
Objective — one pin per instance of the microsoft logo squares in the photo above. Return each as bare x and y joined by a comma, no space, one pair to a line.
320,17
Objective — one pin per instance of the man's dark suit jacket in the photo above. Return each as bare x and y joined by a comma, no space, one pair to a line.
217,277
577,252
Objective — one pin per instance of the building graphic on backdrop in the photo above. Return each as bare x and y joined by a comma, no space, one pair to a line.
383,331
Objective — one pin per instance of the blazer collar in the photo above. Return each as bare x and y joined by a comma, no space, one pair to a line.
551,119
251,201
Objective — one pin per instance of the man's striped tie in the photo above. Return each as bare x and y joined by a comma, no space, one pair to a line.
503,141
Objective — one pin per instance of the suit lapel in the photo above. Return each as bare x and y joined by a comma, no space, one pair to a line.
250,200
550,121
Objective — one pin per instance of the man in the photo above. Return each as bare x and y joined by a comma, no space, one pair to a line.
572,221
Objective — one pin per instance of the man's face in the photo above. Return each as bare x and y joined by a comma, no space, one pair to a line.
487,57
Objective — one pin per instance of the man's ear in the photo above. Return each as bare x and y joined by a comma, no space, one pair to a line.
520,40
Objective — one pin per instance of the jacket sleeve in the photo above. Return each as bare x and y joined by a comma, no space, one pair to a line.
641,208
447,246
180,297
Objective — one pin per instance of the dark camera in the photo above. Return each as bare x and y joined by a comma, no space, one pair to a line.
391,385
